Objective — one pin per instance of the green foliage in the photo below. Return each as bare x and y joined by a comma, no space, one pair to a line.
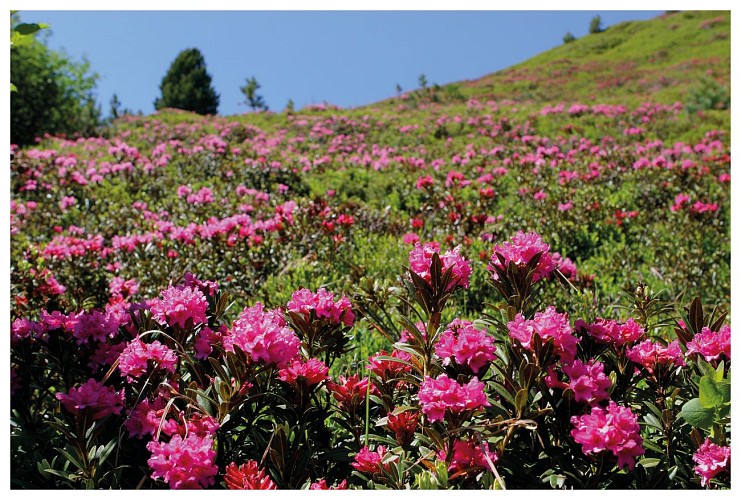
568,37
707,95
53,95
595,25
187,85
252,98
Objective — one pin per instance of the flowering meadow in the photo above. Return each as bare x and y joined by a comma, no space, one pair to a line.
443,290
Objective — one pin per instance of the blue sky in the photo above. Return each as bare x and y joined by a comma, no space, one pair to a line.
344,58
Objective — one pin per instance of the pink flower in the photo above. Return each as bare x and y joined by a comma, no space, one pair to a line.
565,265
134,360
522,248
426,181
613,429
248,476
711,459
465,345
610,331
263,336
420,261
322,485
588,381
143,419
403,425
184,463
205,340
371,462
92,398
120,288
178,305
711,345
436,396
313,372
547,325
96,326
410,239
387,369
467,456
649,354
350,392
323,305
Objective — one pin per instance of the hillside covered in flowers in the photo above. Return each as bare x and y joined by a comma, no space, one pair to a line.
521,281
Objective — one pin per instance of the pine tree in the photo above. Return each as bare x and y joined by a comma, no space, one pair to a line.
187,85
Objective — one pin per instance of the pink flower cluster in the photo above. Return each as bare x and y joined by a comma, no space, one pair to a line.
711,345
178,305
588,381
322,485
323,305
371,462
443,393
520,250
465,345
612,332
388,369
134,360
420,261
350,391
711,459
248,476
649,354
92,398
548,324
312,371
613,429
468,456
184,463
263,336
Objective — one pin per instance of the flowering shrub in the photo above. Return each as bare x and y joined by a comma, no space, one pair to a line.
433,292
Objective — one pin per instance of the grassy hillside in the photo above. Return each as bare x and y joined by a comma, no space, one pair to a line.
660,59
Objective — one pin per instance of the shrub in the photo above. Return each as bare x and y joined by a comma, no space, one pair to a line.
595,25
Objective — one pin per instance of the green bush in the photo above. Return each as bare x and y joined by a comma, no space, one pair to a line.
187,85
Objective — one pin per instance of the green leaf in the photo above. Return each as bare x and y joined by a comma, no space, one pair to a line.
695,414
710,394
29,28
649,462
521,400
13,88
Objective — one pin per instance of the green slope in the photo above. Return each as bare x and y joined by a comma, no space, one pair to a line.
660,60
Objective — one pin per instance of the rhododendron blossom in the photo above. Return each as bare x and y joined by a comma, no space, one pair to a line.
613,429
263,336
436,396
649,354
387,369
371,462
587,380
711,460
93,399
322,485
178,305
403,425
467,456
465,345
350,392
323,305
420,261
134,360
248,476
312,371
711,345
612,332
520,250
184,463
546,325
